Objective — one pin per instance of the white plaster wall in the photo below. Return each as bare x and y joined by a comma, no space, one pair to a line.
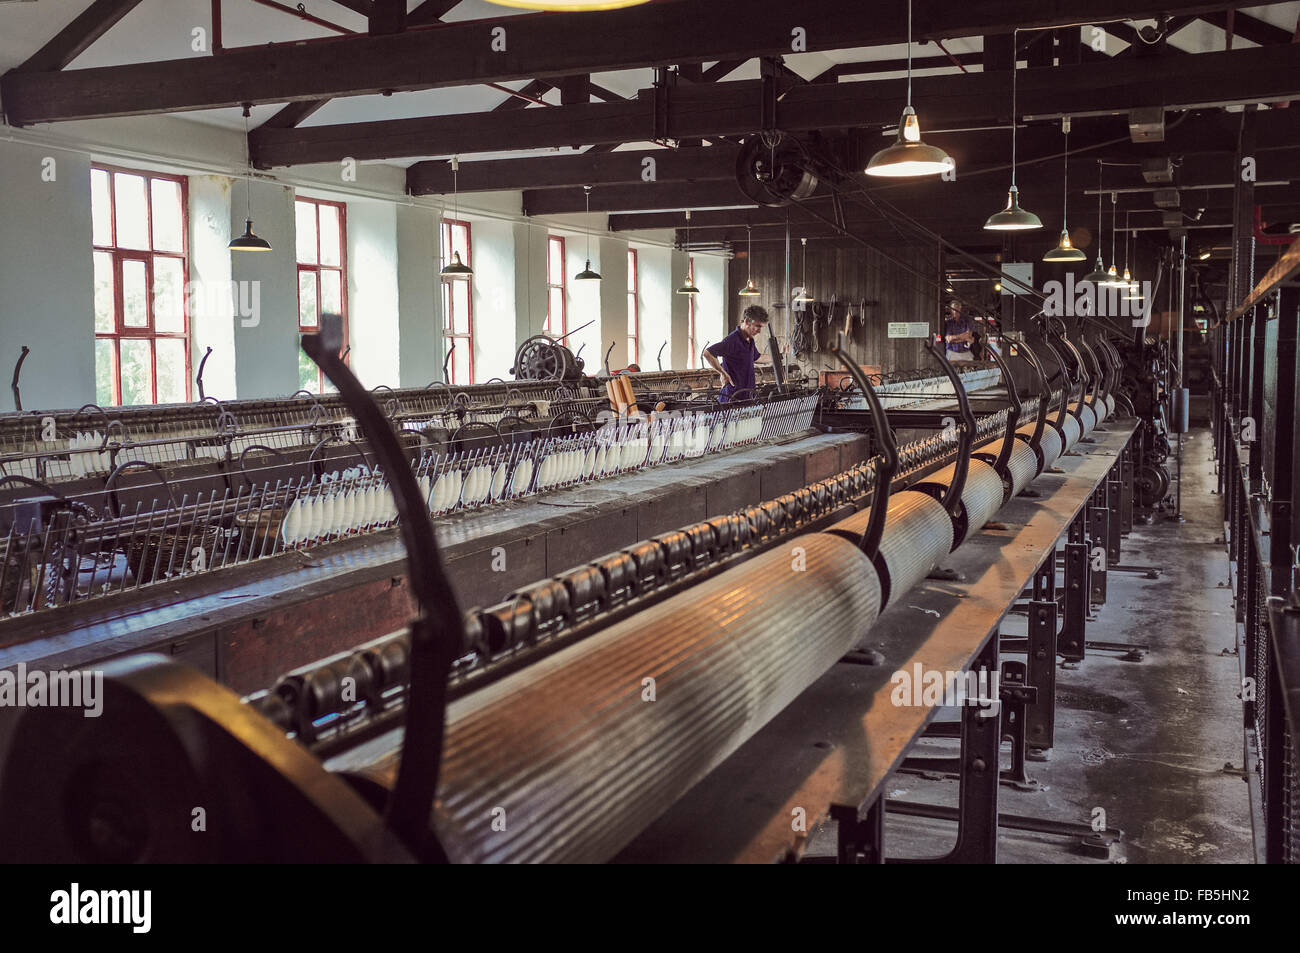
213,300
373,316
47,277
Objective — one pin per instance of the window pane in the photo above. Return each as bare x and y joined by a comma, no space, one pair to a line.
104,319
137,370
305,217
166,215
307,314
331,238
555,266
171,370
101,208
308,373
446,305
132,211
631,271
460,241
135,310
555,312
460,361
460,306
168,296
104,373
331,291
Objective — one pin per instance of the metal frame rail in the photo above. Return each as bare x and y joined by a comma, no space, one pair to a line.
1256,398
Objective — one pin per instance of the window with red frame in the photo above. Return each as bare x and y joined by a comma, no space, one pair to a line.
557,308
142,331
633,310
457,306
322,230
691,356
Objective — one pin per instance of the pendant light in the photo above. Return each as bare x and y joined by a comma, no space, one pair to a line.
750,290
1134,287
1112,279
909,155
456,268
803,296
1098,274
1064,250
689,287
588,274
248,241
569,6
1128,233
1013,218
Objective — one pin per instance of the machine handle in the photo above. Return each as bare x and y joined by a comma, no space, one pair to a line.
198,378
1013,412
18,369
952,496
1044,393
875,531
437,632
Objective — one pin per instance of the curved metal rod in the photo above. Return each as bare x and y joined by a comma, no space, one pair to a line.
18,369
608,353
1013,412
659,358
28,481
437,633
875,531
1085,377
1044,393
1099,376
198,378
1067,381
255,446
84,407
320,467
121,468
952,495
1117,364
108,432
445,361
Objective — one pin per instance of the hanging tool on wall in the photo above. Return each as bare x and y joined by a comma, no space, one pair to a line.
802,340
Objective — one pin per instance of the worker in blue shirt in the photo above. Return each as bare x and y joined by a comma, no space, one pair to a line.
738,354
958,333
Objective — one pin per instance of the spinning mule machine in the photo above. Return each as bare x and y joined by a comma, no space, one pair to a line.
559,721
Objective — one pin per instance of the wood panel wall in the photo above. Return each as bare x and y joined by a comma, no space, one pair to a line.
850,273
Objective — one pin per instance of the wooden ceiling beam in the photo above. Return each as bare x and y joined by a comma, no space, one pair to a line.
539,47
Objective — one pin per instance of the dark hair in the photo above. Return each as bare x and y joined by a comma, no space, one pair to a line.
755,312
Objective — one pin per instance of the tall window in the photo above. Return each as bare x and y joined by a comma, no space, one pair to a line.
142,332
633,311
691,356
457,306
557,310
322,276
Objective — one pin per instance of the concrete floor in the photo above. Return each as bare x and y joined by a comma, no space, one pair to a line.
1147,742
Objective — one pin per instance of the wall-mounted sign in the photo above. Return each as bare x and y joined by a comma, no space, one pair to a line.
909,329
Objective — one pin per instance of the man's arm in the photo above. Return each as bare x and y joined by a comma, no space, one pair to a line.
713,362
